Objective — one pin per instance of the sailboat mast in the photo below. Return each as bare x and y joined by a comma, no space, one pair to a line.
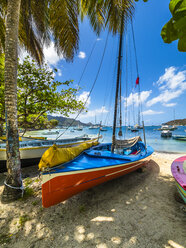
139,102
139,105
117,86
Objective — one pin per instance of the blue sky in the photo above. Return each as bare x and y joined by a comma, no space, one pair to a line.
162,69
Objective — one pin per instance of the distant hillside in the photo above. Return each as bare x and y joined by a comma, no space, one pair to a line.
178,122
63,121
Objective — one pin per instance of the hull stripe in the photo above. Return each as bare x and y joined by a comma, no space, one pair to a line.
49,176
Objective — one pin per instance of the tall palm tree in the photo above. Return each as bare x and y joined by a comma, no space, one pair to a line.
32,21
12,189
26,20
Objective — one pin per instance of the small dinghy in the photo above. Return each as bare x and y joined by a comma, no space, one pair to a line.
178,169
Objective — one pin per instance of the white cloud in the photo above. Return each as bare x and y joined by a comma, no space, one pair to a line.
84,98
171,79
23,54
51,55
169,104
151,112
81,55
171,85
165,97
59,72
95,112
133,98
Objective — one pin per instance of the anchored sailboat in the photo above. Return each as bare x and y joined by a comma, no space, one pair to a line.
67,172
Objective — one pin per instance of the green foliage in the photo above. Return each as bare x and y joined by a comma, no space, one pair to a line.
27,181
38,95
5,238
34,203
53,123
82,208
23,219
175,28
28,192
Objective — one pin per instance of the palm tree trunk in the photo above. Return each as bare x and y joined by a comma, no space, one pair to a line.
12,188
1,129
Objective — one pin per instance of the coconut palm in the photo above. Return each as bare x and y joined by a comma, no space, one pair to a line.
107,13
13,180
32,22
23,21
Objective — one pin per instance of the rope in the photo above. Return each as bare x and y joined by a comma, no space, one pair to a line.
135,49
13,187
87,62
126,103
90,90
107,93
140,105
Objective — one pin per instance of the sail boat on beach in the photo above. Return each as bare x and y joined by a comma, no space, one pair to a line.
69,171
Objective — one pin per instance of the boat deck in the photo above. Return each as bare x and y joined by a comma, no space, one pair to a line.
94,158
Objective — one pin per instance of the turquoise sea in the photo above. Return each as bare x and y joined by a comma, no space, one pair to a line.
153,137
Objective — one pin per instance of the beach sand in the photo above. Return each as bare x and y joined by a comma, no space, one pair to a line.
136,210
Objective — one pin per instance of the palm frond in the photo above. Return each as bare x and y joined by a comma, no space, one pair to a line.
95,12
117,10
33,27
65,27
107,13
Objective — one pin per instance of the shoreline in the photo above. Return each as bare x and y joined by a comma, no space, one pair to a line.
133,211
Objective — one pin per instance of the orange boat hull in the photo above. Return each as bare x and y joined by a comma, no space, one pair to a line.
58,187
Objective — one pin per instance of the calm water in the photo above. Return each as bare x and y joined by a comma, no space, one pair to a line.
153,137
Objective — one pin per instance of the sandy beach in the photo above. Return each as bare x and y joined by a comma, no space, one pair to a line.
136,210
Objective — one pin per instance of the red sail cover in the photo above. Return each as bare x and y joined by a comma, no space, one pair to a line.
137,80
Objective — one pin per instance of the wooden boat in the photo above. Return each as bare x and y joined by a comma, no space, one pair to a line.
167,127
78,128
137,126
94,166
51,132
94,127
178,169
31,151
179,137
166,134
134,130
103,129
